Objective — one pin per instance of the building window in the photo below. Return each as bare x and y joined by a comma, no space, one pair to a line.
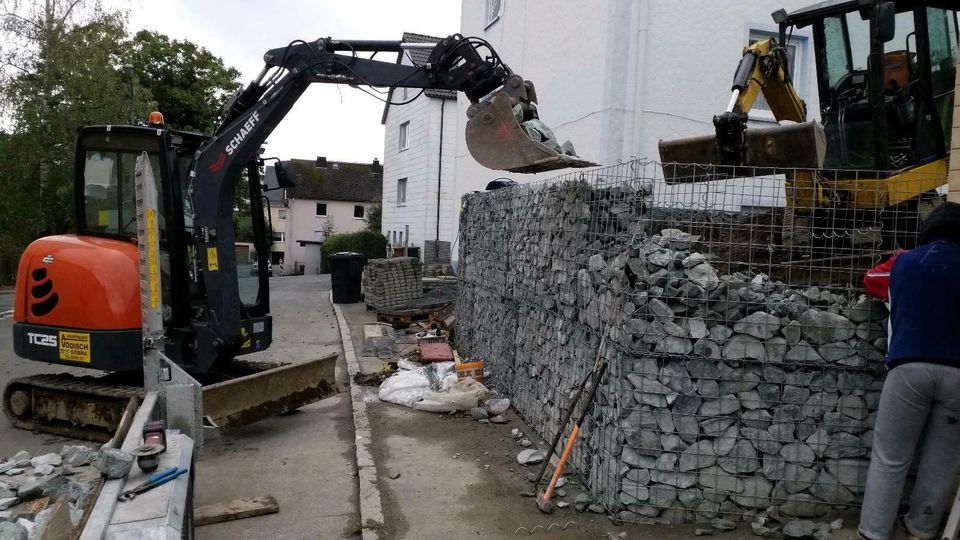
794,63
401,192
394,242
358,210
278,236
282,213
494,9
321,209
404,135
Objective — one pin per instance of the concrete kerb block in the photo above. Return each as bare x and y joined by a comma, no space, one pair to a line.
371,506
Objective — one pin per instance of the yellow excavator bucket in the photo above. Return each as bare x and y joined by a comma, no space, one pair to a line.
788,146
504,134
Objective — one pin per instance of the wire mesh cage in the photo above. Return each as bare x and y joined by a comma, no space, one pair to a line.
745,362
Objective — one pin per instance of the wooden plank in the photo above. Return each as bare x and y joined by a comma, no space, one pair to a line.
235,509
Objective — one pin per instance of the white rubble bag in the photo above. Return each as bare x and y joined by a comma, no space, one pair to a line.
453,396
433,387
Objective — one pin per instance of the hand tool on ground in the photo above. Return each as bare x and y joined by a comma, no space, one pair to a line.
543,500
556,438
566,418
154,481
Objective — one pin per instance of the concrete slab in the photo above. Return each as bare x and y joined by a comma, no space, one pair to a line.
304,459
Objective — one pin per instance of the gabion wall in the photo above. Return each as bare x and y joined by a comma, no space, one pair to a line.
727,390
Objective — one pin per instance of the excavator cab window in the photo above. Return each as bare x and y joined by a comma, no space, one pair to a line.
846,114
108,192
913,86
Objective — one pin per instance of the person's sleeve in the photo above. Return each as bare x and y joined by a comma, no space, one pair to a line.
877,280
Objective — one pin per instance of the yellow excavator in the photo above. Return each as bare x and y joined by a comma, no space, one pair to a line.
872,165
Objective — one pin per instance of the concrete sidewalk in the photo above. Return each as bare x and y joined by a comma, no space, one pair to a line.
304,459
460,479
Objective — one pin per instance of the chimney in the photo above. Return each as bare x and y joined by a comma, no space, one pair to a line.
376,167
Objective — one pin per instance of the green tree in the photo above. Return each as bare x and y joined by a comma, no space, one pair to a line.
62,68
328,227
188,82
374,217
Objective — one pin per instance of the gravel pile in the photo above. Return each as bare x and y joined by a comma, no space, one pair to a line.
725,394
31,485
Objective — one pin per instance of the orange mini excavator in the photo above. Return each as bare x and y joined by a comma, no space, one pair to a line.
78,297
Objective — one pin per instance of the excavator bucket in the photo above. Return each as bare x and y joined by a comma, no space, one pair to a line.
504,134
789,146
268,391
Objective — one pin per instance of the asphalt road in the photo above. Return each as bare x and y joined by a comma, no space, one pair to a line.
6,300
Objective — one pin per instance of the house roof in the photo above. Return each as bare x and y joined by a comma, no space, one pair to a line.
338,181
419,57
274,193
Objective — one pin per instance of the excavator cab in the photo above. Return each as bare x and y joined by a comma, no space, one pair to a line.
885,78
89,281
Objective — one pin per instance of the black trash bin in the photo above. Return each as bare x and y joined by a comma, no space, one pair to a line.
346,271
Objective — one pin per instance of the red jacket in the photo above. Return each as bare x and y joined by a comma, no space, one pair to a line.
877,280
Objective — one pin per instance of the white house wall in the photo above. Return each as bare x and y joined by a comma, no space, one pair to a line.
419,164
616,77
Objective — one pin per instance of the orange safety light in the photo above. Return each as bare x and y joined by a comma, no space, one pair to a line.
155,119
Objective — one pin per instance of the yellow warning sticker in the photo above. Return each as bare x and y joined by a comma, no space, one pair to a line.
75,346
103,218
212,263
153,262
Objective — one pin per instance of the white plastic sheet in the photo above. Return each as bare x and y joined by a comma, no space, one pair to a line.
432,387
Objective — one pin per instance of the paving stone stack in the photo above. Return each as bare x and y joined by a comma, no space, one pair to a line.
724,394
390,283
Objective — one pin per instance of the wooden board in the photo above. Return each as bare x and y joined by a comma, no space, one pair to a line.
235,509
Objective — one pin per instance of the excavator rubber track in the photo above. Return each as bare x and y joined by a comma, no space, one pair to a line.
80,407
91,408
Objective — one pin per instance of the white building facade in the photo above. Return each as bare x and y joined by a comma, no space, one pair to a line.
616,77
419,205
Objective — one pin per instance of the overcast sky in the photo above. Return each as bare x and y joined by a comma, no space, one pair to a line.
338,122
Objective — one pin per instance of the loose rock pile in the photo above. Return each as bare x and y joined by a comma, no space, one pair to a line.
725,394
25,479
389,283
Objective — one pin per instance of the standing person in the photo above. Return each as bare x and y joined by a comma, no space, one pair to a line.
920,402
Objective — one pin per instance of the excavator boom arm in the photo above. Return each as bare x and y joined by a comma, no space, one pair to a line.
735,150
764,69
455,63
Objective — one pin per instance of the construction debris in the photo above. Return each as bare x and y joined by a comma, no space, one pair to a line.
530,456
114,463
497,406
433,387
27,504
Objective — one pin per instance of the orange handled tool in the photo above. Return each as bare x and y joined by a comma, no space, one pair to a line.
543,501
